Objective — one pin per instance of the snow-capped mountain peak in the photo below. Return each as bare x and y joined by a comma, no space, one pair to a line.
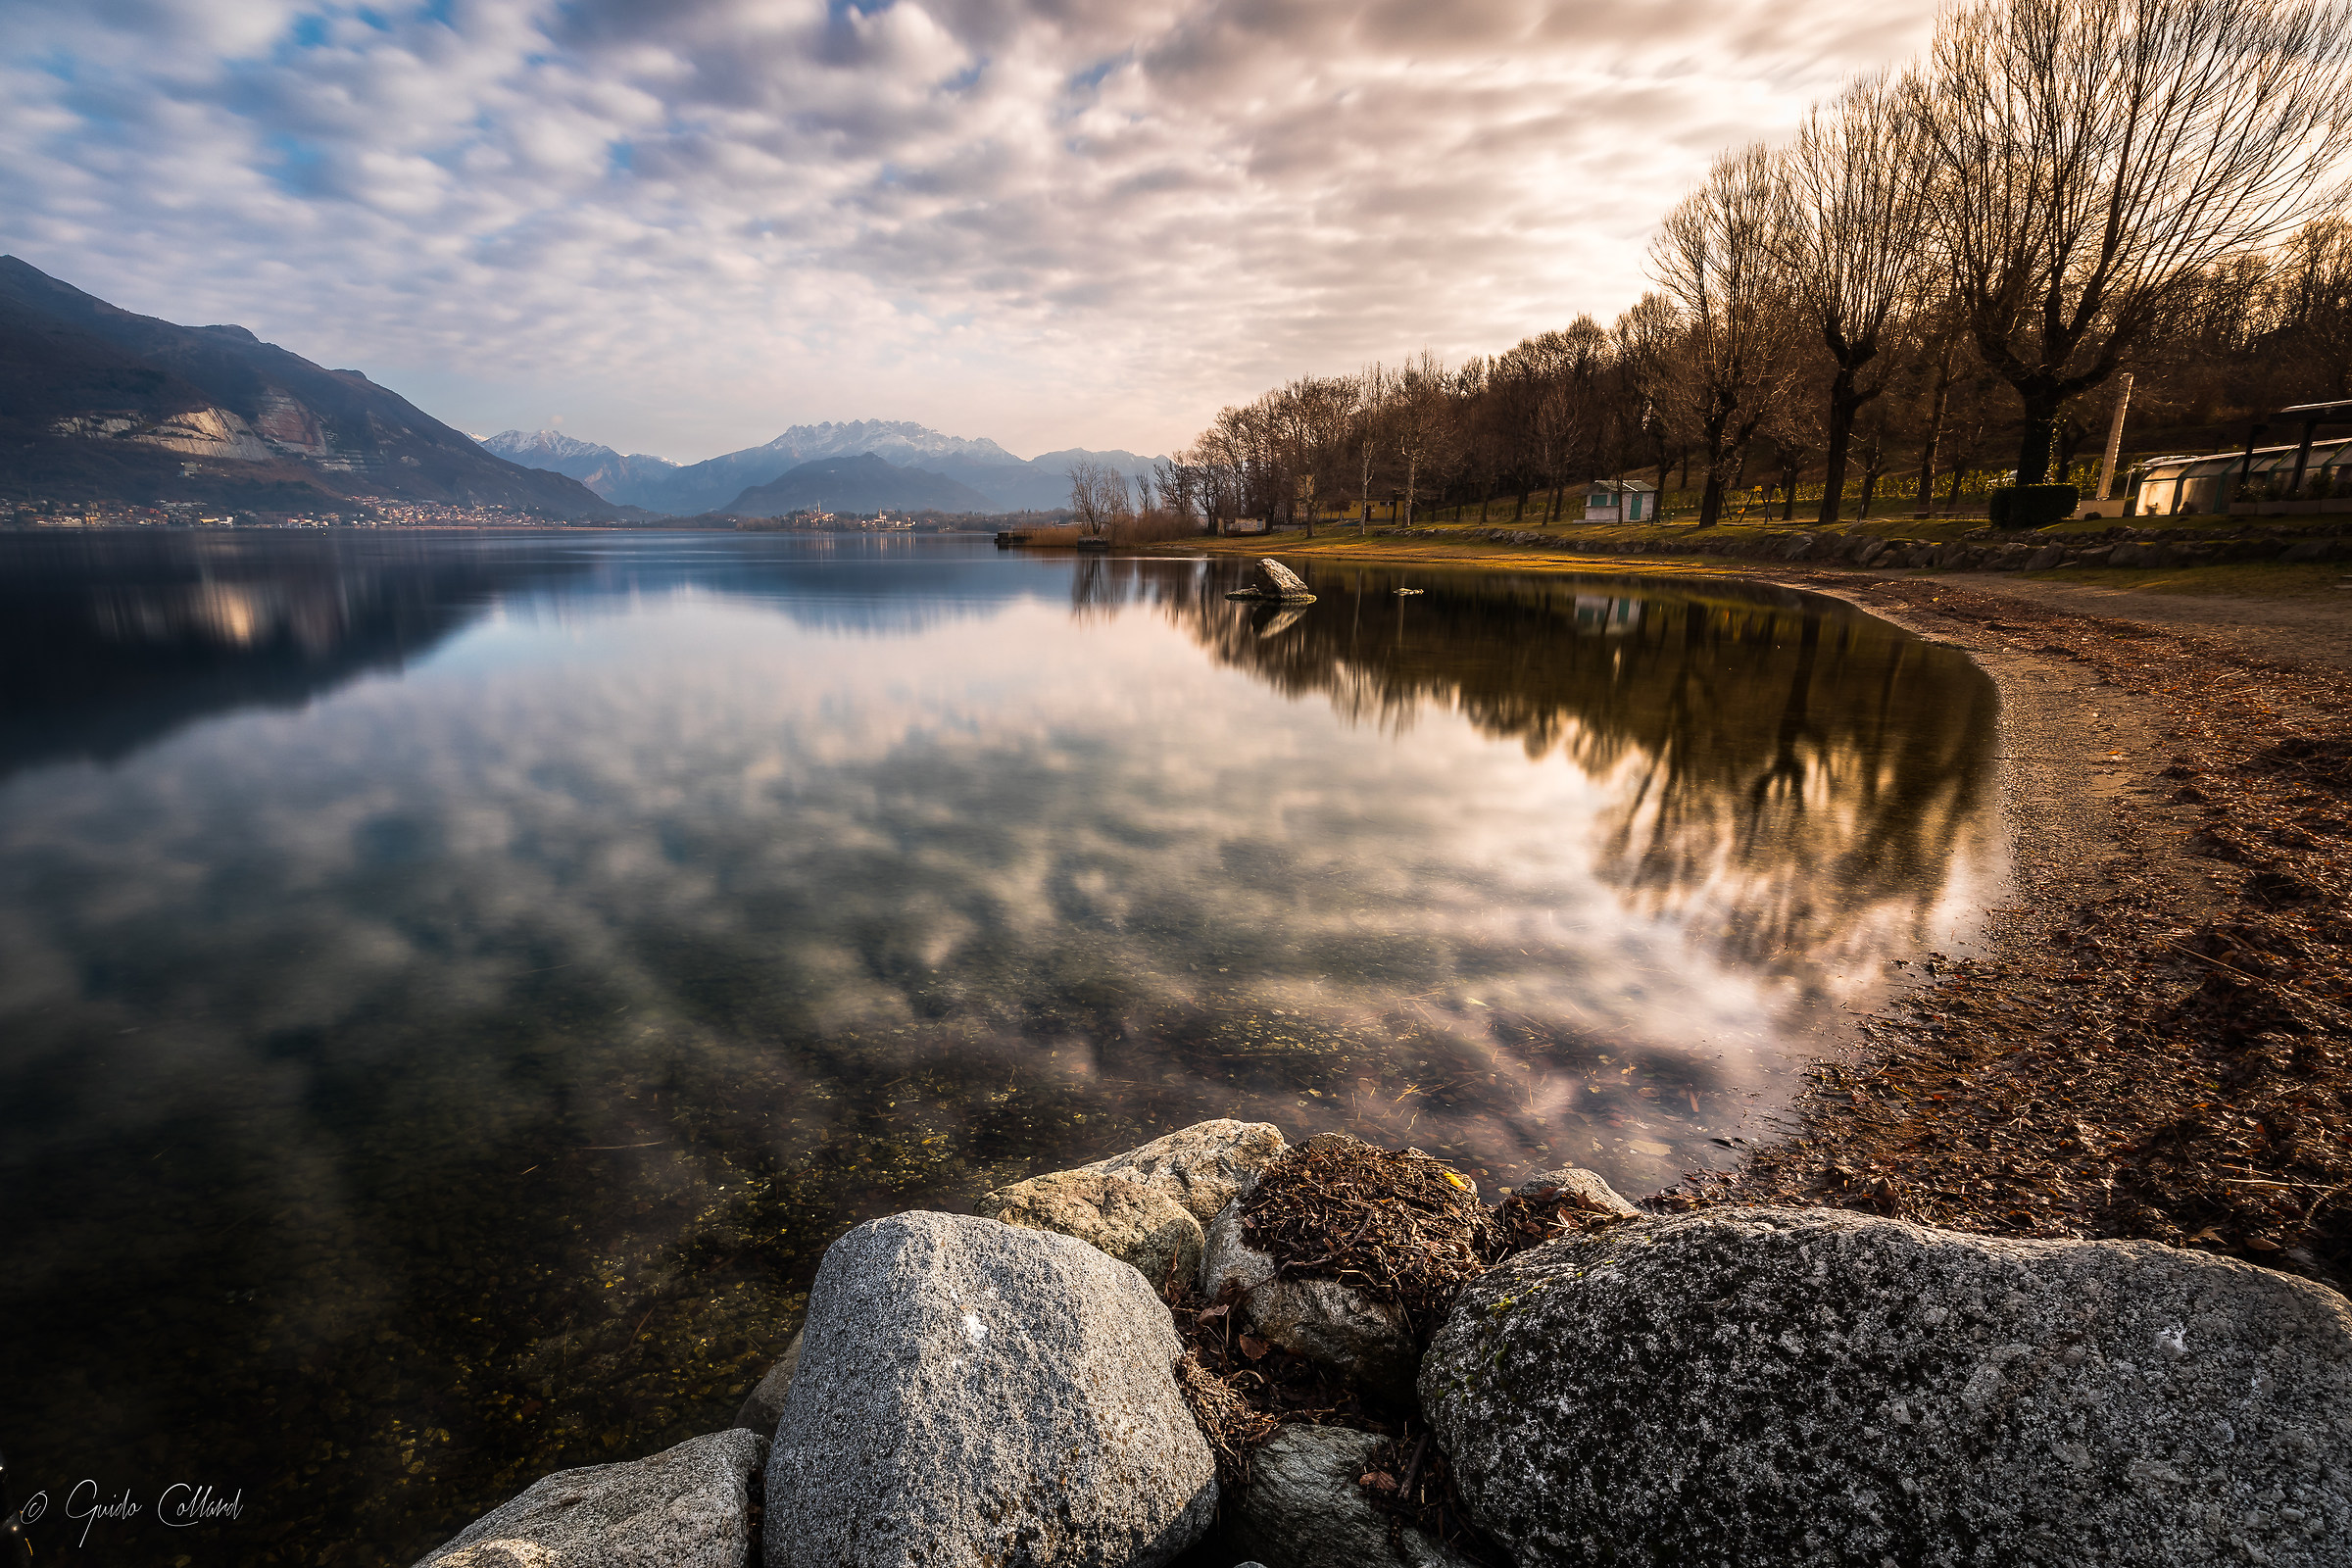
900,441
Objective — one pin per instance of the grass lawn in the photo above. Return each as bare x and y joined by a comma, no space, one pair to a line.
2251,580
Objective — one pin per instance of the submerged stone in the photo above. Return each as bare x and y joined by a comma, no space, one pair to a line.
760,1407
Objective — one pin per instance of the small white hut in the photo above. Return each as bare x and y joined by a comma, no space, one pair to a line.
1621,501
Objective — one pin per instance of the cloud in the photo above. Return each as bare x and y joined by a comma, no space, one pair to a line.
689,224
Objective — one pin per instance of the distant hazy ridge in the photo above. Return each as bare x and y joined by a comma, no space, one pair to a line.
983,474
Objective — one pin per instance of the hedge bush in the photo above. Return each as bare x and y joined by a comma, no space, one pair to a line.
2016,506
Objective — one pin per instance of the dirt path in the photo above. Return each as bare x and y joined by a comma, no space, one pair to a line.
2308,630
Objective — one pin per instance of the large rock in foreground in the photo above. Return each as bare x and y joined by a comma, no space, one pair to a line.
686,1507
1136,1224
970,1394
1304,1507
1205,1166
1813,1385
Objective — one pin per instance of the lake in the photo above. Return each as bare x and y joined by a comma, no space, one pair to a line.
454,987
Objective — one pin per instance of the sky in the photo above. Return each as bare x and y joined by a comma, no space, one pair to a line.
680,228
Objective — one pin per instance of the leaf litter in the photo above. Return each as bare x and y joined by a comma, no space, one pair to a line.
1399,1226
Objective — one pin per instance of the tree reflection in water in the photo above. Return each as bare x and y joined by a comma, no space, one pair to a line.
1804,789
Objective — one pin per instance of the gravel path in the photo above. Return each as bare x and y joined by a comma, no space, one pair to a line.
2309,631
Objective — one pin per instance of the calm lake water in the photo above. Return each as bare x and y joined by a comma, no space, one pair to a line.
453,988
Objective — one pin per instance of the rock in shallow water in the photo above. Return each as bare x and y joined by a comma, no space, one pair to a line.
1814,1386
1205,1166
766,1402
1304,1508
1576,1188
1136,1224
686,1507
971,1394
1281,581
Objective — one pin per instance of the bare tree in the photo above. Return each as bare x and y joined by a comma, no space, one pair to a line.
2096,156
1421,426
1552,404
1646,346
1375,390
1718,257
1321,413
1486,395
2311,302
1176,485
1855,183
1097,495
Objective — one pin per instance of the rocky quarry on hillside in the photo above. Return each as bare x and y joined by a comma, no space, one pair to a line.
1222,1347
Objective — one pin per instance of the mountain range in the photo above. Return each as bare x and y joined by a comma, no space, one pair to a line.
863,483
101,403
98,402
1000,481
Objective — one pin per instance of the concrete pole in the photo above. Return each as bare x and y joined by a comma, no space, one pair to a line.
2115,437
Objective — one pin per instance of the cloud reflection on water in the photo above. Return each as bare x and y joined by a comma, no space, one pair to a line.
736,892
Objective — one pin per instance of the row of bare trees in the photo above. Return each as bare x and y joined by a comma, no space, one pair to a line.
1941,259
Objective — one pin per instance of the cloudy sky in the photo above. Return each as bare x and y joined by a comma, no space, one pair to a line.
678,227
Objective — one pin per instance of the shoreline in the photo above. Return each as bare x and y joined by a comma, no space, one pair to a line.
2156,1040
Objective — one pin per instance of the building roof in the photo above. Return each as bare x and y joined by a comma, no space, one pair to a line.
2202,465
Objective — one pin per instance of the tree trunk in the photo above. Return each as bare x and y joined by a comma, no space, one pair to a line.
2042,429
1710,502
1935,439
1843,406
1411,464
1788,490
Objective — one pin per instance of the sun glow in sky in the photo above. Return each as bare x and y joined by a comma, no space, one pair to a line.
679,228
